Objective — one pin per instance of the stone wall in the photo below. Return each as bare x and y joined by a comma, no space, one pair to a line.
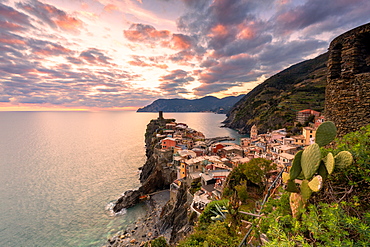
347,101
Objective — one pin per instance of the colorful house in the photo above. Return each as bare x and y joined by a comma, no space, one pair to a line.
309,135
302,116
168,143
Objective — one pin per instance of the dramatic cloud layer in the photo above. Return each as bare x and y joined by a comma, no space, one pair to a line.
113,54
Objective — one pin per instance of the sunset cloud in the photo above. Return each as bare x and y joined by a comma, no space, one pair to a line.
145,33
52,16
175,82
115,54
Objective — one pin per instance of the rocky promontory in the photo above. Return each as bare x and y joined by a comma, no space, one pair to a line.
165,216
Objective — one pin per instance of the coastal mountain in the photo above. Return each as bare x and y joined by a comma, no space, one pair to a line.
208,103
274,103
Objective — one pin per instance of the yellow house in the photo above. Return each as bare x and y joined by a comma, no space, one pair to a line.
182,171
309,135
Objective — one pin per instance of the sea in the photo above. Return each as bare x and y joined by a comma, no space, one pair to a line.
60,173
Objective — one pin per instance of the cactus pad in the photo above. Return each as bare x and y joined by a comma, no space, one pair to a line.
316,183
296,168
323,172
296,203
325,133
305,191
285,177
291,187
343,159
329,163
301,176
310,160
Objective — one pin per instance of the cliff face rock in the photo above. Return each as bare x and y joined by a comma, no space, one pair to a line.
174,219
155,174
276,101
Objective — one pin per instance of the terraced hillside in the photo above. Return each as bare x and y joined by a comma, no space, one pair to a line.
274,103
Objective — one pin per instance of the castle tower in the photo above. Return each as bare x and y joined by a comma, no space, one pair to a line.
347,99
254,132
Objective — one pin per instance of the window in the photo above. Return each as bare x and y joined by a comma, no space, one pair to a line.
363,63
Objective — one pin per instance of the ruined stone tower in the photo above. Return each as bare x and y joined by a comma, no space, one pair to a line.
347,101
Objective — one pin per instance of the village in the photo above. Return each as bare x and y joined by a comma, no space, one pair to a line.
206,163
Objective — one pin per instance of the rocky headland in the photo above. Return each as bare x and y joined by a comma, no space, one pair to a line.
165,216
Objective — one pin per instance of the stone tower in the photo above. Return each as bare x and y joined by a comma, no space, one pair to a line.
347,99
254,132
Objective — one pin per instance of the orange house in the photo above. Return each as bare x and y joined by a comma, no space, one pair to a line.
168,143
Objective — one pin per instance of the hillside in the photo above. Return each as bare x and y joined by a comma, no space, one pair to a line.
208,103
274,103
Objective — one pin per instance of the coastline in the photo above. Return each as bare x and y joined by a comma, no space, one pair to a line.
144,229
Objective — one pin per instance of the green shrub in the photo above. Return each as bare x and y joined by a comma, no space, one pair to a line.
158,242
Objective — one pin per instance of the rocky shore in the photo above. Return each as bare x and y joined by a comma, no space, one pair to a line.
145,229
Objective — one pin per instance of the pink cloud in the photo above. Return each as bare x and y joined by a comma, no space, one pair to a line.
10,40
53,16
110,8
219,31
144,64
180,42
145,33
68,23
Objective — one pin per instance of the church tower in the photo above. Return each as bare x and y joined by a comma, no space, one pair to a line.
254,132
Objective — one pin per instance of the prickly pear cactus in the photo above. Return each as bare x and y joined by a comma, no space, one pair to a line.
310,160
323,172
296,203
305,191
296,168
325,133
311,168
329,163
343,159
285,177
291,187
316,183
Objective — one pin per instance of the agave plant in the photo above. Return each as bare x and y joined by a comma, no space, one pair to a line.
220,214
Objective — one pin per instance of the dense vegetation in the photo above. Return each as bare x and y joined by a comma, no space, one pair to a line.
337,215
275,102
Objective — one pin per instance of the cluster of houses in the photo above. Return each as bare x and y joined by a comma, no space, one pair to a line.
207,162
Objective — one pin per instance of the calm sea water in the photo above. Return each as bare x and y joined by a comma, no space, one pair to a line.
60,170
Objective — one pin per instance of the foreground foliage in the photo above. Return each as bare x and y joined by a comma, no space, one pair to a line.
337,216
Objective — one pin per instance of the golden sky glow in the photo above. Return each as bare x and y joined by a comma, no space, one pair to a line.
124,54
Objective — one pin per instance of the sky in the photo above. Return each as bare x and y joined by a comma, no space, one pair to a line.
124,54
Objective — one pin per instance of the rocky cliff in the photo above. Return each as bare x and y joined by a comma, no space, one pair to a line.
155,174
175,221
